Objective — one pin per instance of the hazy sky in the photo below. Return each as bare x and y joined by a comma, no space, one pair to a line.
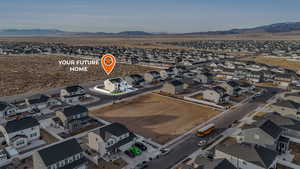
146,15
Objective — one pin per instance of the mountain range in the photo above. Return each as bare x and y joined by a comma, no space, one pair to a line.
273,28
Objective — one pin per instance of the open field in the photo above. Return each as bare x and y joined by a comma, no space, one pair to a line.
294,65
24,73
158,117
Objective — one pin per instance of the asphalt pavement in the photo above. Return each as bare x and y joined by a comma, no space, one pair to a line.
189,144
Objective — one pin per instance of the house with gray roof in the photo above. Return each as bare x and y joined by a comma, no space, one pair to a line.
21,132
205,163
63,155
152,76
39,101
135,80
247,156
110,139
174,87
287,108
71,94
73,117
295,97
267,134
290,126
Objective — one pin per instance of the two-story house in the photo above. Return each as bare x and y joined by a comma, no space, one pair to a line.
21,132
73,117
72,94
39,101
64,155
174,87
115,85
110,139
152,76
267,134
135,80
217,95
232,88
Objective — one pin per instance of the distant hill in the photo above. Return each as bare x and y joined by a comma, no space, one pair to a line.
286,27
31,32
273,28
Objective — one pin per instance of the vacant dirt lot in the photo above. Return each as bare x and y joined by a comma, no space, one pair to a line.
155,116
294,65
24,73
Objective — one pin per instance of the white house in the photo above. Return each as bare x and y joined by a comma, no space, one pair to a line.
116,85
19,133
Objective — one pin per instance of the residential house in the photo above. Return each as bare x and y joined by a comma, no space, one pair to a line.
135,80
152,76
115,85
205,163
168,73
232,88
247,156
217,95
204,78
110,139
64,155
287,108
21,132
174,87
283,80
267,134
254,77
73,117
39,101
71,94
7,109
295,97
290,126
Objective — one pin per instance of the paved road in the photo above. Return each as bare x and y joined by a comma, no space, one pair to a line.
189,145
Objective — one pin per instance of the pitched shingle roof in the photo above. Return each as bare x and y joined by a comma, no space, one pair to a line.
73,88
288,103
20,124
271,129
60,151
73,110
214,164
255,154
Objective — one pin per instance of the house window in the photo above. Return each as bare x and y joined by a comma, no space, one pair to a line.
20,142
33,135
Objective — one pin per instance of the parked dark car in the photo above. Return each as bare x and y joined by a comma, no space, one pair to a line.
140,146
129,153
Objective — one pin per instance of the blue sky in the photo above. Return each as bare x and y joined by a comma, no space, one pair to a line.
146,15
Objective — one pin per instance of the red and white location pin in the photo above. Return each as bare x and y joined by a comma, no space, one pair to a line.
108,63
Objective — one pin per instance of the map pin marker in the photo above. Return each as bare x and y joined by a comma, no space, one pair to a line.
108,63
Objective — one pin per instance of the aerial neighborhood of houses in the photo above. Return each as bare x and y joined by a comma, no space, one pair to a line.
237,114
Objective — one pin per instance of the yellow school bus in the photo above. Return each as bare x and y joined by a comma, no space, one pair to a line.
206,130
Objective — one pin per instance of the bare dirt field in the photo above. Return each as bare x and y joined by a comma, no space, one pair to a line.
294,65
157,117
24,73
